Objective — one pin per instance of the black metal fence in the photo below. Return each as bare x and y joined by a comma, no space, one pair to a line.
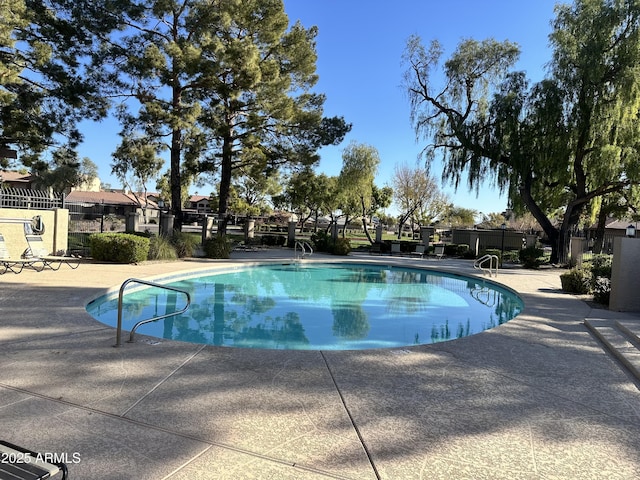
88,218
84,218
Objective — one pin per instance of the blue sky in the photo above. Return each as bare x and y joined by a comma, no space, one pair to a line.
360,45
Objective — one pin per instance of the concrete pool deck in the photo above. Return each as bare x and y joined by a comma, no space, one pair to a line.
536,398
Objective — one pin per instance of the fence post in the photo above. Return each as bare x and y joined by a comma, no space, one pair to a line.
207,228
291,234
133,222
576,249
166,223
61,239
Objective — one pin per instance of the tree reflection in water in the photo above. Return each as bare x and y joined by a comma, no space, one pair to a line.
349,322
325,306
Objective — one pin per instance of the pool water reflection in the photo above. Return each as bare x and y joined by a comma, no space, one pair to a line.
319,307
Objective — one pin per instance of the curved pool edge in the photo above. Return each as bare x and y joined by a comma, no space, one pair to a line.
240,263
455,267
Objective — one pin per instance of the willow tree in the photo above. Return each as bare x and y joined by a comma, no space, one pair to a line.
559,143
355,182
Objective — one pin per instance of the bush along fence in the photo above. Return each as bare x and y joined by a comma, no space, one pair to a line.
592,277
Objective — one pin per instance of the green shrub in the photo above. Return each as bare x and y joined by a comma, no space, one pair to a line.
492,251
146,234
160,248
602,290
575,280
511,256
531,257
469,254
184,243
450,250
322,241
600,266
274,240
217,246
341,247
253,241
119,247
460,250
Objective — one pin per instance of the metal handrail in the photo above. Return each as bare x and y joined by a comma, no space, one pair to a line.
303,247
153,319
485,292
482,260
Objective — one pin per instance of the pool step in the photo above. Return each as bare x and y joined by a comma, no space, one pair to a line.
622,340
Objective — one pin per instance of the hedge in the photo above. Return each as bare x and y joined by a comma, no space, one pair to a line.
217,246
119,247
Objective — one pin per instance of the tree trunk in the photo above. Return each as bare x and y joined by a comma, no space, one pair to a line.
571,218
403,219
304,220
600,229
225,184
364,222
366,230
552,232
344,229
176,180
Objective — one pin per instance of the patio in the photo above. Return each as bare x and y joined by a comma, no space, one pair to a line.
537,397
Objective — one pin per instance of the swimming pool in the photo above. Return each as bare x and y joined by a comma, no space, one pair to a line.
317,306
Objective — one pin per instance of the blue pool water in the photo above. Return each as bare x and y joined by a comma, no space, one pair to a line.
317,307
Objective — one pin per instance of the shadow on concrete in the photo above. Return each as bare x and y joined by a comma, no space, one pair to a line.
534,398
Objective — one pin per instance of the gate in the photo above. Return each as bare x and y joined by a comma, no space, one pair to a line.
88,218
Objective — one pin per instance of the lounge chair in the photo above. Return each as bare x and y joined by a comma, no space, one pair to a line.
37,250
8,264
438,251
418,252
395,248
21,464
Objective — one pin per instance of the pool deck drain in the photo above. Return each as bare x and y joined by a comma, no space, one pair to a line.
536,398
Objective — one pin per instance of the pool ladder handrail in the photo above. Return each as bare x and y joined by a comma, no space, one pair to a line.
303,247
478,264
485,292
152,319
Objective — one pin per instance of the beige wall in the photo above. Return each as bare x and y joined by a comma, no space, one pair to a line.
56,229
625,273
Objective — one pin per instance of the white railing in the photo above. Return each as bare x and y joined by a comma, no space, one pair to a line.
305,250
147,320
480,264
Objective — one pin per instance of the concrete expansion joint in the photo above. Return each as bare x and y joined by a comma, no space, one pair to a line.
171,374
207,443
351,419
